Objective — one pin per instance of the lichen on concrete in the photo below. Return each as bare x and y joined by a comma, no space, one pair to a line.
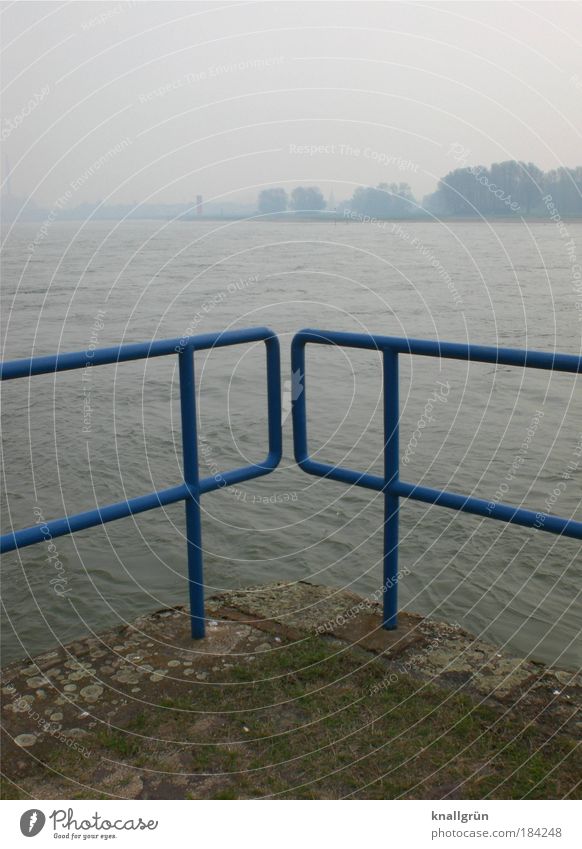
127,713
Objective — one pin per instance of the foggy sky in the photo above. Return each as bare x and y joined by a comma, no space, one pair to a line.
159,102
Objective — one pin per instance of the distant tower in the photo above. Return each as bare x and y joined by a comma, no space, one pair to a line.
7,177
331,202
199,207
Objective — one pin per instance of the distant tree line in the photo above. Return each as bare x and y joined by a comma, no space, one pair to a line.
384,201
505,188
387,200
302,199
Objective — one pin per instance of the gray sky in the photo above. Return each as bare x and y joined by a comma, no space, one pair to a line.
160,101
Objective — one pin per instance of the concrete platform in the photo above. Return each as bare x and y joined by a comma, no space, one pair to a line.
142,711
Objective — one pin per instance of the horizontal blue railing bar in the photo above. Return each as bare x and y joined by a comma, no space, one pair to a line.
192,487
448,350
482,507
443,498
390,484
244,473
91,518
341,474
131,351
123,509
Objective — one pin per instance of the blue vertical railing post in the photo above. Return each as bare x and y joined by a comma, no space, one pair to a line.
192,481
391,472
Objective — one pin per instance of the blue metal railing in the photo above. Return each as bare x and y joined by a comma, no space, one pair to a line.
192,487
390,484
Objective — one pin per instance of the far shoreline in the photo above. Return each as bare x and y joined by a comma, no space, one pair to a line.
421,219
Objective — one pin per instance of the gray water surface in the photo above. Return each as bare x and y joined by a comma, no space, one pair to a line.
77,440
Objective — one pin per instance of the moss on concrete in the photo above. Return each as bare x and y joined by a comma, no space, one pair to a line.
297,692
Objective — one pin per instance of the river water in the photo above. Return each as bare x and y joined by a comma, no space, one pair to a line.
76,440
